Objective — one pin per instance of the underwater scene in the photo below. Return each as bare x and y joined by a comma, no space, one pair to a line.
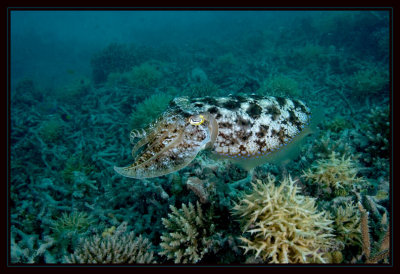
199,137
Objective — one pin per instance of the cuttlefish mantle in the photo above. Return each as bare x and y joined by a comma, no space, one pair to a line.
234,127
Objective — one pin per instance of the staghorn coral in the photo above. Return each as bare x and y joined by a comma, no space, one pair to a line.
347,224
283,226
324,146
148,110
117,248
337,175
339,124
190,234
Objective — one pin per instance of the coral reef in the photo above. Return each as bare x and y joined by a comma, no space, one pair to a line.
198,75
28,249
51,130
381,247
190,234
144,76
114,58
281,85
309,55
118,248
282,226
72,92
67,228
334,175
371,80
78,162
148,110
339,124
328,143
347,224
27,92
75,222
377,131
70,125
203,88
226,63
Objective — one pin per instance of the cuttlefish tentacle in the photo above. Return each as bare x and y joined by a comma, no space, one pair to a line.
155,131
137,133
138,145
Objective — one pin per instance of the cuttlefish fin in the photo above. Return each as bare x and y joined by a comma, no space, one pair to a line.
150,170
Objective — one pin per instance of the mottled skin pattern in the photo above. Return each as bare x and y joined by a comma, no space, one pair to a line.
234,126
248,126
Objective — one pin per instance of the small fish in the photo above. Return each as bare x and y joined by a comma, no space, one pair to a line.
239,128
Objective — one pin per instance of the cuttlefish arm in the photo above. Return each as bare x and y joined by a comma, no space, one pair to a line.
173,145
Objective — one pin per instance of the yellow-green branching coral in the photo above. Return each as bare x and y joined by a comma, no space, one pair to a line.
337,174
347,224
282,226
148,110
71,223
190,234
69,227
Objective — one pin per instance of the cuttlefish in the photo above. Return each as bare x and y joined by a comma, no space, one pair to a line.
244,129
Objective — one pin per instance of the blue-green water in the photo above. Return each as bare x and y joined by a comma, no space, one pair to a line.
82,80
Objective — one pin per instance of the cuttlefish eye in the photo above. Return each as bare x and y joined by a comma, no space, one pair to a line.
196,120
